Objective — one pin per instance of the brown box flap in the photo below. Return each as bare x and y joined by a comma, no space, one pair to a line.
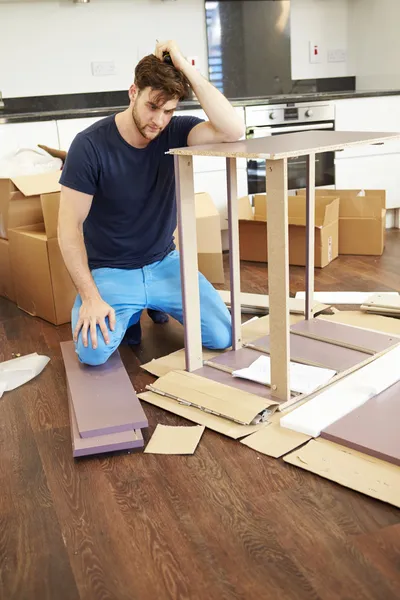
34,185
50,208
356,203
326,210
205,207
245,211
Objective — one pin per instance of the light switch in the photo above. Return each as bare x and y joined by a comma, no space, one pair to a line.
315,53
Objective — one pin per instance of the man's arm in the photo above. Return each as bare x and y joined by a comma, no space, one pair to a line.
224,124
74,208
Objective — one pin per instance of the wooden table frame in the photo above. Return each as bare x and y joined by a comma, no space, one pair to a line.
276,151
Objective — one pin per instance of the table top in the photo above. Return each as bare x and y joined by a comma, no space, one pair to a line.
288,145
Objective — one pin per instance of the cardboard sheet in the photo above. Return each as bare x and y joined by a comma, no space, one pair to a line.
218,424
222,400
275,441
349,468
18,371
168,439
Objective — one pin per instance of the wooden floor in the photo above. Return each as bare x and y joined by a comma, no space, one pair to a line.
226,523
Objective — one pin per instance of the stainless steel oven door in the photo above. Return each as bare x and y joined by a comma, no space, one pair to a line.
324,162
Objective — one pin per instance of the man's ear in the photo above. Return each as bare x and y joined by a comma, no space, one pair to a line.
133,92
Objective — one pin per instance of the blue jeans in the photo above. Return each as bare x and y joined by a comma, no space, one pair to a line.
156,286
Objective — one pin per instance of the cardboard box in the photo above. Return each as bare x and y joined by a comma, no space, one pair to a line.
253,230
20,199
209,243
43,285
362,220
7,289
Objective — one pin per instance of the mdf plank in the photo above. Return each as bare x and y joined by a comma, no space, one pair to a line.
189,263
103,397
278,276
111,442
288,144
373,428
314,352
335,332
234,259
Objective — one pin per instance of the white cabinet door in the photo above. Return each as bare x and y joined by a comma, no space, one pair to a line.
15,136
69,128
373,173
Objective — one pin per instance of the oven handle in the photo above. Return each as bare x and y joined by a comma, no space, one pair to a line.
288,129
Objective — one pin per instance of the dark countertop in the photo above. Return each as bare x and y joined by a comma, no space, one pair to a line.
15,116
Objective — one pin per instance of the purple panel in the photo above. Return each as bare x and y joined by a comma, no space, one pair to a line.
103,397
111,442
322,353
370,340
372,428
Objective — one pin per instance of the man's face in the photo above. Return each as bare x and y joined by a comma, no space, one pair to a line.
150,114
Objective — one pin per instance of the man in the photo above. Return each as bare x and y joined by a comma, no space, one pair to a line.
118,212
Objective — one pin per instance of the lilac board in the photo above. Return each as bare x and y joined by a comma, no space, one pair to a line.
251,387
110,442
373,428
103,397
321,353
363,338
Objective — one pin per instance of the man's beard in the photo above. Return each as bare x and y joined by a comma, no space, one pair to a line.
140,127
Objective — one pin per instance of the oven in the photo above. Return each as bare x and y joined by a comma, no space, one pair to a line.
262,121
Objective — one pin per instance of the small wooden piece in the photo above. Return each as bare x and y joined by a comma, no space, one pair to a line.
310,235
189,264
278,276
234,260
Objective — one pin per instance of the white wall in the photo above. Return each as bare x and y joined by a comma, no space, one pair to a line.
47,47
374,43
324,22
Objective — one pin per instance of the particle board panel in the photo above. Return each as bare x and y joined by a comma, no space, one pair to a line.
288,144
373,428
103,397
345,334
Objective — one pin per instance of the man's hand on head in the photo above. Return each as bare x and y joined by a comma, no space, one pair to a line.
170,46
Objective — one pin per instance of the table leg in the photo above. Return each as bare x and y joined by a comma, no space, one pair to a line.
234,260
185,200
278,276
310,236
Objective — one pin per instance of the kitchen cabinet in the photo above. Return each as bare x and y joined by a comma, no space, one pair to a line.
374,166
15,136
69,128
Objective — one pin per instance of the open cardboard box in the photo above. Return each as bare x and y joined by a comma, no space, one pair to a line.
20,199
43,285
362,220
209,243
7,289
253,230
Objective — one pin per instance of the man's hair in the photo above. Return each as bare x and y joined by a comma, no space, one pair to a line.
161,77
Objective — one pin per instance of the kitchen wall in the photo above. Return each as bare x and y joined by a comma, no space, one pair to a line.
47,47
374,43
323,22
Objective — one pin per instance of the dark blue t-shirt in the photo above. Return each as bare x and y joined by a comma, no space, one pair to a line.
133,214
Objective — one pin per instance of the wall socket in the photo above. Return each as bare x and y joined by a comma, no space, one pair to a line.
103,67
337,55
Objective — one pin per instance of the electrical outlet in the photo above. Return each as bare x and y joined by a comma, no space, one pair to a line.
103,68
337,55
315,53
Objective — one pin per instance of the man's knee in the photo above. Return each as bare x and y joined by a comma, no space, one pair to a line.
93,357
220,337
